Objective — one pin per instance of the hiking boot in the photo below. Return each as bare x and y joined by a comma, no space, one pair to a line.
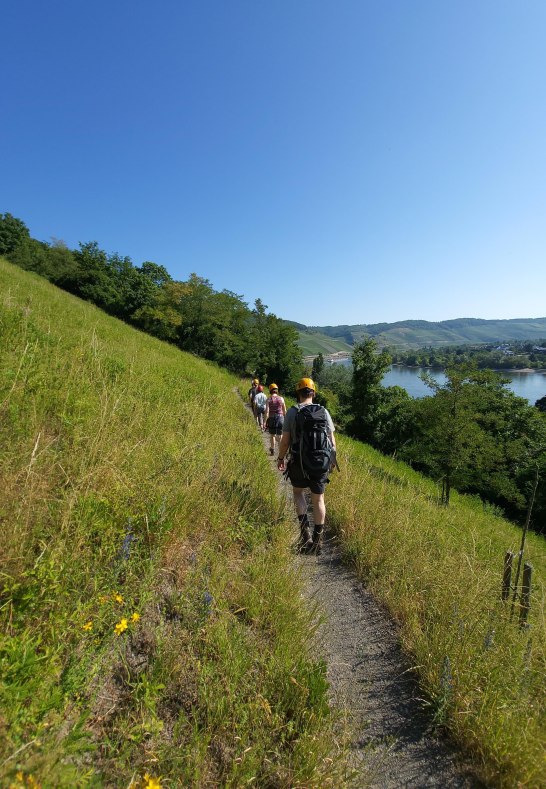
316,545
271,451
306,539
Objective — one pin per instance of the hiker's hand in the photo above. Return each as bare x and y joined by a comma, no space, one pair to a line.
281,464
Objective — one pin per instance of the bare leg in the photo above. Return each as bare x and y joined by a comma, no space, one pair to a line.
300,501
306,539
319,507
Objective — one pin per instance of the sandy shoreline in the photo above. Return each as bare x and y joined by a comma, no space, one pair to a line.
522,370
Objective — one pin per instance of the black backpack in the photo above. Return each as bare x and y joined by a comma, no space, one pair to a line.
312,449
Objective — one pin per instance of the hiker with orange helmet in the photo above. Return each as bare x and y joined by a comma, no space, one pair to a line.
308,434
275,409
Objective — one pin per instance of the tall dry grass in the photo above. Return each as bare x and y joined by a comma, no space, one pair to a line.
439,571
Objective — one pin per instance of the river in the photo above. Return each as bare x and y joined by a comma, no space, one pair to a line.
531,386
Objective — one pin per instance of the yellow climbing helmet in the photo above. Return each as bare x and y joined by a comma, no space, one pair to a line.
273,388
255,382
306,383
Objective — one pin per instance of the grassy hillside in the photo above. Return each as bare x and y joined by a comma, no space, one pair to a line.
313,343
419,334
439,571
151,624
150,620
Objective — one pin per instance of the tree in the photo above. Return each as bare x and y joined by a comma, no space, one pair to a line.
155,273
97,281
53,261
163,317
318,367
369,367
12,232
450,444
337,378
541,404
275,353
476,435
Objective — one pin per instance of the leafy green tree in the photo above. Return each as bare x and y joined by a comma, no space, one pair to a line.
541,404
318,367
395,421
338,378
53,261
367,398
163,317
12,232
155,273
519,435
475,435
275,353
97,282
329,399
451,443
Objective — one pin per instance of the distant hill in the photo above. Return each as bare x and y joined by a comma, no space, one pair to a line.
313,343
417,334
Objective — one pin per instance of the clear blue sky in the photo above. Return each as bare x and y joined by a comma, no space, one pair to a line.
345,161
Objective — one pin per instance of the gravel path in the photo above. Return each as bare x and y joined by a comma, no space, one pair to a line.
392,743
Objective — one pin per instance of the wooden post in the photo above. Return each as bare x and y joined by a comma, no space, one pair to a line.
523,536
507,575
525,593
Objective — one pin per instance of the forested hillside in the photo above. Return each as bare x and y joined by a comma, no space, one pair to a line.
418,334
192,315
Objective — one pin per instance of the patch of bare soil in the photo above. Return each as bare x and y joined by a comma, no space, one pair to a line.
393,743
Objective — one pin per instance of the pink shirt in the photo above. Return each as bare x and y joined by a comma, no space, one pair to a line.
275,404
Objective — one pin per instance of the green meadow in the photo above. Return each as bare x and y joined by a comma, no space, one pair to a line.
150,617
151,624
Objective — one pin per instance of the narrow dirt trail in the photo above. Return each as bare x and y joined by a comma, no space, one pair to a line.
392,743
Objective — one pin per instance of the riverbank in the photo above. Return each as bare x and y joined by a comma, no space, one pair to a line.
522,370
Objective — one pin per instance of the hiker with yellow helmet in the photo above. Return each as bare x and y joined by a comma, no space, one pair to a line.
275,409
253,391
308,434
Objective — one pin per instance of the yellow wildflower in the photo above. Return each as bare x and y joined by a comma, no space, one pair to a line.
118,598
135,617
151,783
88,625
104,598
120,627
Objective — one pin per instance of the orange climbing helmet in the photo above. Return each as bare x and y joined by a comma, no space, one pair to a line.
306,383
273,388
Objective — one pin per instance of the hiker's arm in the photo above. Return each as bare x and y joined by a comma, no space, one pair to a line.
283,449
331,434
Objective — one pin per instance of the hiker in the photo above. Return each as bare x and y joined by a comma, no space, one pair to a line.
259,406
252,391
275,409
308,433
